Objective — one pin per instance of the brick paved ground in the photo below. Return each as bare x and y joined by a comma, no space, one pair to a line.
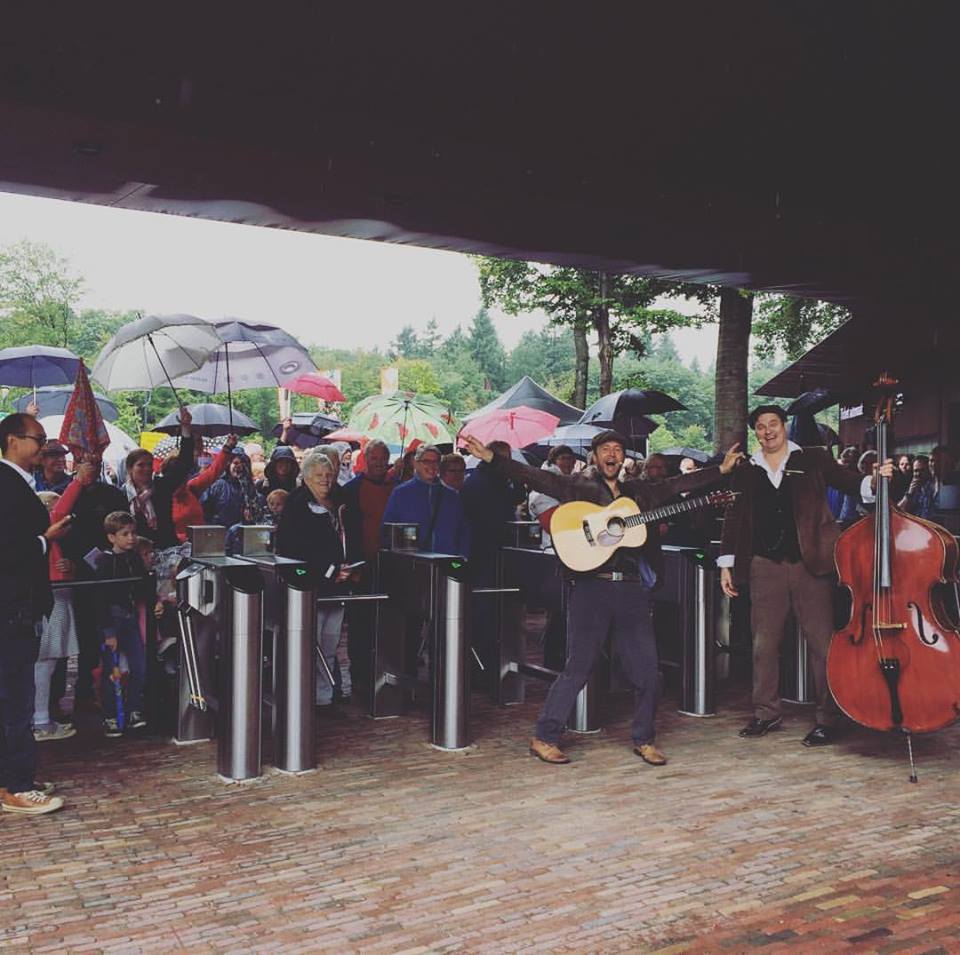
394,847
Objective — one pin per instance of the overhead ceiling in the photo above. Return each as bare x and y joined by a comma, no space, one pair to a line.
805,146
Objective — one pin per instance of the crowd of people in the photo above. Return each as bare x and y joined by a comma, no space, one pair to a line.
329,506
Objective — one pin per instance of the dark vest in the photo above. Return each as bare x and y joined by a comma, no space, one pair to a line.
774,525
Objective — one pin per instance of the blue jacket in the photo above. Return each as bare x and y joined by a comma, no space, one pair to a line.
410,503
223,503
489,500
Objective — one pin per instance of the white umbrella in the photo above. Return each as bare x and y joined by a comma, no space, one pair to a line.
121,444
153,350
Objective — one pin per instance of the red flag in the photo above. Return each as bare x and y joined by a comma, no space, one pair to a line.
83,430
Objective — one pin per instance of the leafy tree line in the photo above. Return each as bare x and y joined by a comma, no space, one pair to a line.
617,316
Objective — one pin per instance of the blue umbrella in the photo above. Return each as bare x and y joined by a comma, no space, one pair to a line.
53,400
31,366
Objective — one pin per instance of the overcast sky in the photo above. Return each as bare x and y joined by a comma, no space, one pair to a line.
339,293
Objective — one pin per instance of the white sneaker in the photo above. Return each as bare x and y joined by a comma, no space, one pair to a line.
48,731
30,803
136,721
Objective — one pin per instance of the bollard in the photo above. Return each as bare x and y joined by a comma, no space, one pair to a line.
451,682
294,741
238,737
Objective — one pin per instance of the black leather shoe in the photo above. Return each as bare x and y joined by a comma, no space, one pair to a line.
757,727
820,735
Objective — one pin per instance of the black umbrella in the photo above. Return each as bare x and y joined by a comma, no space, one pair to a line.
626,410
53,400
813,401
309,428
701,457
576,436
211,421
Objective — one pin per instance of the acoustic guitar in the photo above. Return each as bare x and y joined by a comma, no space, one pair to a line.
586,535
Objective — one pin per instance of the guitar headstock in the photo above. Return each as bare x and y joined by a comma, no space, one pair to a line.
722,498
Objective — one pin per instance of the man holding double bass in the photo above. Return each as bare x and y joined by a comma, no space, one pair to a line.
779,538
614,598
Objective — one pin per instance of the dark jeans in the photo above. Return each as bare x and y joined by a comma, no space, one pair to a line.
19,645
126,627
89,639
598,607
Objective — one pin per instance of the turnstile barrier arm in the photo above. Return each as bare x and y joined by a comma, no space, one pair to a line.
197,699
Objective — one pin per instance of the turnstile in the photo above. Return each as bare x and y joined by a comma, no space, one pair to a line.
796,672
289,627
433,589
536,579
220,605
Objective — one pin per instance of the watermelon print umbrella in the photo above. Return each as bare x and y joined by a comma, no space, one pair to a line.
83,430
403,416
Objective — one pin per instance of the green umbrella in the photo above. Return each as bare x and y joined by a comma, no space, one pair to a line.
402,417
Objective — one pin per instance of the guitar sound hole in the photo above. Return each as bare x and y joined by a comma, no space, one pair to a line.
616,527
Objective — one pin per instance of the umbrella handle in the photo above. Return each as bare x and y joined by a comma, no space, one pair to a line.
163,367
226,352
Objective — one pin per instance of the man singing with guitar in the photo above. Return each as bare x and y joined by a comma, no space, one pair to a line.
605,538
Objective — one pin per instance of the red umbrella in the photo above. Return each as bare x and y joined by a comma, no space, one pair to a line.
314,384
83,430
517,426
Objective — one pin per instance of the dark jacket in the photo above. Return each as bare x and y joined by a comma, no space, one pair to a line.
594,489
24,574
123,597
86,530
270,481
165,485
312,537
488,499
817,531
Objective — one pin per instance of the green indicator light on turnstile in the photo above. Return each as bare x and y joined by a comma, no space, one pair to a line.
700,555
455,564
300,571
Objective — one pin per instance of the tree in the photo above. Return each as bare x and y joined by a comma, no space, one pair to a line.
406,344
417,374
487,350
791,324
431,339
619,308
733,351
38,294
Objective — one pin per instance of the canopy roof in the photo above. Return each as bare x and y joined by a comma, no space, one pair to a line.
527,392
795,146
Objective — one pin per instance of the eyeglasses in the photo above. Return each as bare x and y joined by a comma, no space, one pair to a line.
40,439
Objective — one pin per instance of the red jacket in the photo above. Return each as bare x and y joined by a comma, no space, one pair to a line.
186,498
60,510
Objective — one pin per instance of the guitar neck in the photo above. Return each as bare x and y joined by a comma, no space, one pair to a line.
682,507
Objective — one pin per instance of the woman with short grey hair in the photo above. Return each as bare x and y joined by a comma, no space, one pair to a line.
312,529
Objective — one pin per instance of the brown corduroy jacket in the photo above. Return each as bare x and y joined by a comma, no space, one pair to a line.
808,471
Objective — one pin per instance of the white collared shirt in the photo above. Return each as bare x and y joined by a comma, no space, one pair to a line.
32,482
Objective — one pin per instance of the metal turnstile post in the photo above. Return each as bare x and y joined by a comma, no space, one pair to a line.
796,674
294,680
238,737
451,664
698,652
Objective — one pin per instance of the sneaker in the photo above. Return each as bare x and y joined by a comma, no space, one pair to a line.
111,728
136,721
31,803
48,789
49,731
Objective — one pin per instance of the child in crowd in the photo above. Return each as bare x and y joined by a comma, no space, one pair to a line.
118,617
276,502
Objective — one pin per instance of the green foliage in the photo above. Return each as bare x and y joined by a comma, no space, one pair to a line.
546,355
417,374
791,325
487,350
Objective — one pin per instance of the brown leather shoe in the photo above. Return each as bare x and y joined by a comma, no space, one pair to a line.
650,754
547,752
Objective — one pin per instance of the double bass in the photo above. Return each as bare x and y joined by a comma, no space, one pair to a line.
895,664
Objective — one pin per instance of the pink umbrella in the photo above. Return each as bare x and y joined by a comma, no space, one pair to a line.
315,384
344,434
518,426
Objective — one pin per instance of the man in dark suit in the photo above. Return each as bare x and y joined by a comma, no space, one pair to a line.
778,538
25,598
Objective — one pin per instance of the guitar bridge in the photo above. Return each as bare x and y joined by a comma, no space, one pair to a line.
587,534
